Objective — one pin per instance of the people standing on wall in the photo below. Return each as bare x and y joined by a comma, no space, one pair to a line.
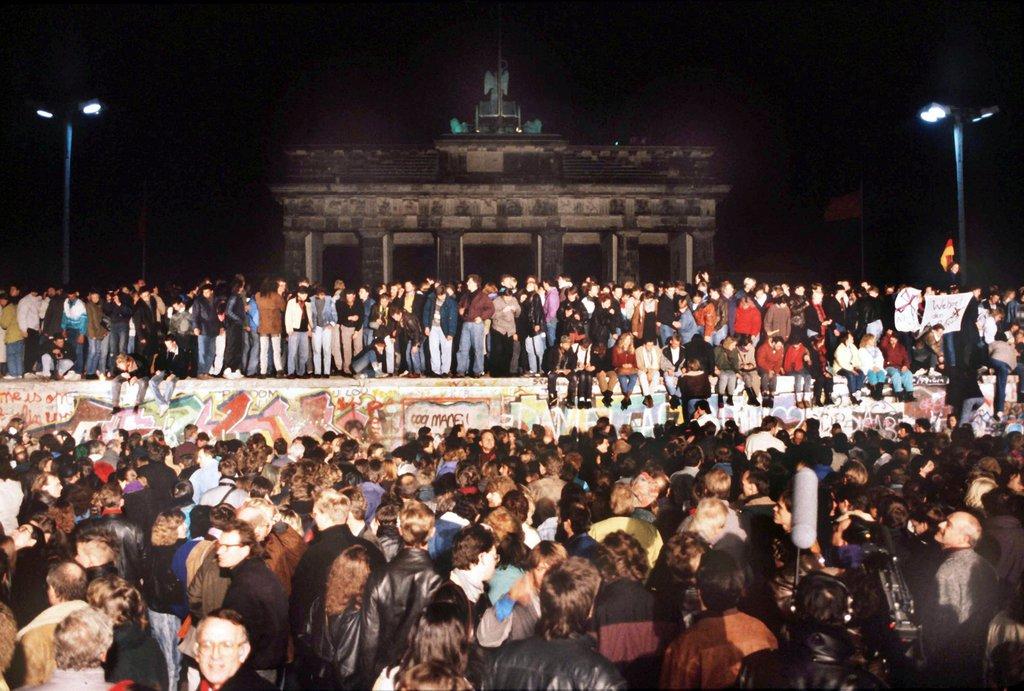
206,326
474,309
350,330
298,318
440,321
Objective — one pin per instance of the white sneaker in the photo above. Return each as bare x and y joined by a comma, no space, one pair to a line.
934,373
921,372
72,376
9,376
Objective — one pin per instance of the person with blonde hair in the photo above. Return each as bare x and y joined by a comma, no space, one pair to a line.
708,520
873,363
623,502
978,488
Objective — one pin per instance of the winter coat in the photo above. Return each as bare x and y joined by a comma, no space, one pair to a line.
395,597
449,314
812,659
271,309
204,317
777,320
727,360
96,327
283,550
748,320
135,655
473,306
329,648
630,634
769,359
562,663
310,574
506,310
257,594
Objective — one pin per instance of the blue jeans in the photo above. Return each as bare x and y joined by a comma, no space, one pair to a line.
205,353
671,383
719,335
78,349
472,337
322,349
364,362
949,349
1003,371
551,330
414,358
802,382
251,353
164,628
875,377
162,397
298,352
440,352
535,351
627,382
901,381
118,340
664,331
97,354
854,382
16,358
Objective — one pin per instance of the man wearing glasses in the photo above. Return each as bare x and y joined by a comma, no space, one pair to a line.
223,647
257,595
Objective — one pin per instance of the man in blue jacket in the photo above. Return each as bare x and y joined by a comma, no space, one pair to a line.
440,321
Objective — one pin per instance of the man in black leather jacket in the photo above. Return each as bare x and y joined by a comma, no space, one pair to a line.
397,594
817,651
562,655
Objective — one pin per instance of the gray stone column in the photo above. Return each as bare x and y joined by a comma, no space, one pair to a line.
609,256
449,255
629,256
677,264
371,248
703,250
294,254
551,253
314,256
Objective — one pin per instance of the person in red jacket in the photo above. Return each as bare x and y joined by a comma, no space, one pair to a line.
897,366
475,307
748,319
769,365
797,364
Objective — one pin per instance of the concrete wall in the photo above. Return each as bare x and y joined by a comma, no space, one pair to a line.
389,409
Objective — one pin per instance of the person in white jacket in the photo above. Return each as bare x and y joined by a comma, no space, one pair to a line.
847,363
298,321
873,363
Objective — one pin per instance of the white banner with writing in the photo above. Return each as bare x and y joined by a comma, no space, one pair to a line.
947,310
908,304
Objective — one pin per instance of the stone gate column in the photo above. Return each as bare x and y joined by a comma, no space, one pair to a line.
371,248
449,255
294,254
629,256
609,256
678,264
551,253
703,250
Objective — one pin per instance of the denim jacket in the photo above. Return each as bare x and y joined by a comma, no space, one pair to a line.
324,312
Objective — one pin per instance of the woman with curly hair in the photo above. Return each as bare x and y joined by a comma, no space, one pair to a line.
135,654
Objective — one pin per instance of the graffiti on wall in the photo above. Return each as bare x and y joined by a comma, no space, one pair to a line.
389,411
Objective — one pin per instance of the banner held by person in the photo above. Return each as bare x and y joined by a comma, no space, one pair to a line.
947,310
908,306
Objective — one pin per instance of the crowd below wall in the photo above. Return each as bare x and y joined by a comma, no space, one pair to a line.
499,558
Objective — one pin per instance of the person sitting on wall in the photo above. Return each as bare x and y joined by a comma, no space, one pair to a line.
369,363
560,361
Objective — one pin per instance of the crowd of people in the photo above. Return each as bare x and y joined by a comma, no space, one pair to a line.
690,341
505,558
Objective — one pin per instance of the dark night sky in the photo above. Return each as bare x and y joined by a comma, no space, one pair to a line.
801,99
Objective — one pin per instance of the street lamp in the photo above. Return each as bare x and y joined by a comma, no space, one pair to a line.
934,113
91,108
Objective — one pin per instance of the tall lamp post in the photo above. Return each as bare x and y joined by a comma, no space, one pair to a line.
92,108
934,113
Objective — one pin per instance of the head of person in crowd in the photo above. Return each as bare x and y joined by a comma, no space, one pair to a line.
222,646
81,644
567,599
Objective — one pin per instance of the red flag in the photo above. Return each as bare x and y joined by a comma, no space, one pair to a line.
948,255
844,208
